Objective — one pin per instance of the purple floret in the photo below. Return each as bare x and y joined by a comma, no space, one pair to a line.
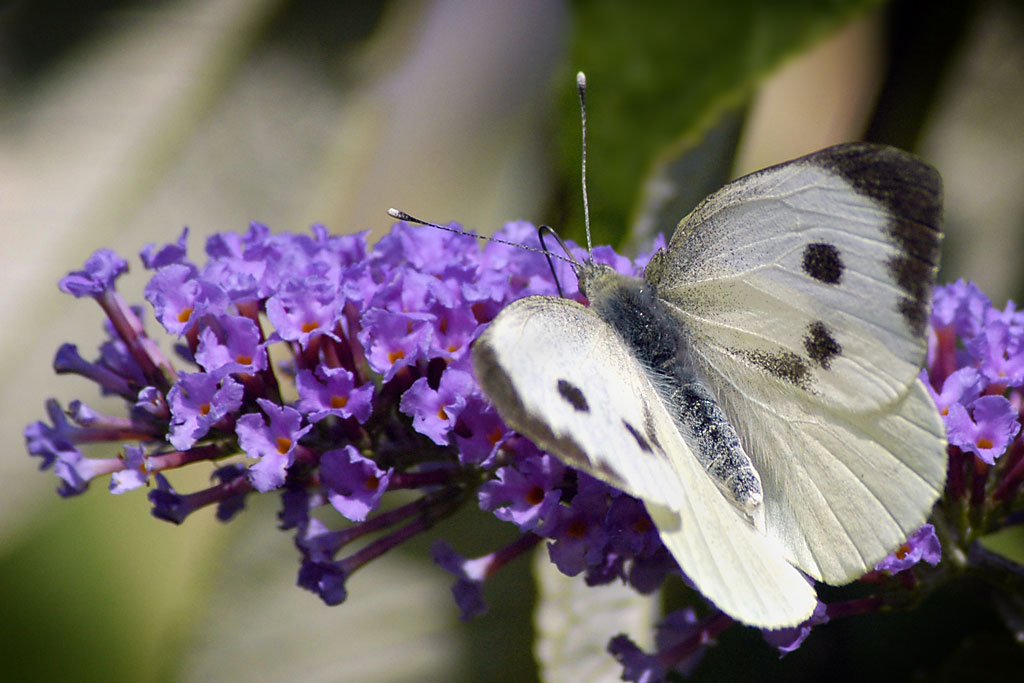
527,494
98,275
434,412
922,546
197,402
354,484
961,306
273,444
153,257
332,391
469,579
179,298
394,340
233,346
986,430
578,532
135,473
305,310
999,354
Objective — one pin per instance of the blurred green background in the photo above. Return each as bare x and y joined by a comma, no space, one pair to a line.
122,121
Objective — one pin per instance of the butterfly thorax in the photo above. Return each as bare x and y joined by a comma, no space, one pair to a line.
658,341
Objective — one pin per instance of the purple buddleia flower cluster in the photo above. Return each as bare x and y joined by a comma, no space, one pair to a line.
333,372
329,372
976,373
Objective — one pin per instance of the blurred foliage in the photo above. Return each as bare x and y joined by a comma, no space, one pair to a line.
661,75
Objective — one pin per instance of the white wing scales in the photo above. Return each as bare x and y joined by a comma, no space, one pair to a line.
530,360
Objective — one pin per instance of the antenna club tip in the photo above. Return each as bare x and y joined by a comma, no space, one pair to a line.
395,213
581,79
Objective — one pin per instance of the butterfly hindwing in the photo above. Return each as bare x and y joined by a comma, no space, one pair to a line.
842,490
559,375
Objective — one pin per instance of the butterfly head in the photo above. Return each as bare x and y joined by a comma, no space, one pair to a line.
596,280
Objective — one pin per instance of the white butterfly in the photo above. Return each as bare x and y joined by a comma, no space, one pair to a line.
758,387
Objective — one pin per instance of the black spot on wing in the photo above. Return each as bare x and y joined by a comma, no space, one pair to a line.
573,396
497,384
640,440
823,263
911,192
821,346
784,365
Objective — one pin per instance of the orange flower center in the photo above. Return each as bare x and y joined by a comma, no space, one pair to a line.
535,495
576,529
642,525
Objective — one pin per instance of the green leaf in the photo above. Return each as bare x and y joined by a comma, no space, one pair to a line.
683,176
660,75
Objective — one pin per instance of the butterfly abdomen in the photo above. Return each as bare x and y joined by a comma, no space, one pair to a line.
631,307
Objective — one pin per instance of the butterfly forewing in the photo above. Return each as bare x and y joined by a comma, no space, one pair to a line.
817,272
559,375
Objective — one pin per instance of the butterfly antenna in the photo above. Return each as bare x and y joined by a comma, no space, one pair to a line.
547,229
400,215
581,90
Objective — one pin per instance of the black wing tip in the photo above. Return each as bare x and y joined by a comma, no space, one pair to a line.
905,184
910,190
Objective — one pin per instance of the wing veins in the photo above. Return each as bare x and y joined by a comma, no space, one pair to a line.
709,552
863,484
785,198
714,323
778,260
